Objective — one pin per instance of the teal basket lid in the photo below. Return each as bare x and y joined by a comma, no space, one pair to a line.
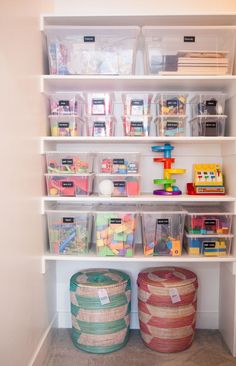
99,277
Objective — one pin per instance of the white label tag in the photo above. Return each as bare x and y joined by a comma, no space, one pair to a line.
174,294
103,296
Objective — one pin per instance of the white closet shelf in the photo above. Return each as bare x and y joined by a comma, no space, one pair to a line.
66,83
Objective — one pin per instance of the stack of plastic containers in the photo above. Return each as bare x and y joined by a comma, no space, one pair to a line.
137,114
208,118
118,174
65,114
171,114
99,118
208,231
69,174
162,230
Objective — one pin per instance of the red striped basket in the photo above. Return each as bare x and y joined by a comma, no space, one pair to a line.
167,308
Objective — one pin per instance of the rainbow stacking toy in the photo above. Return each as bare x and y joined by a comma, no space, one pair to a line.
169,189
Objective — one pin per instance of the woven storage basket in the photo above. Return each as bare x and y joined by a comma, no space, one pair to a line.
167,308
100,309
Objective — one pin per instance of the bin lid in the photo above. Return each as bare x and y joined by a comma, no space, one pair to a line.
99,277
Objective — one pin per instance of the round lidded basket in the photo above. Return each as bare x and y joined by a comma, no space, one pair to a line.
167,308
100,308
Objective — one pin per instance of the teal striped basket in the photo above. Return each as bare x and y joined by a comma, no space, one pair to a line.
100,309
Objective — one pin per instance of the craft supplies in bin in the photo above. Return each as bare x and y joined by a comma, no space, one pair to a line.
69,230
171,104
162,230
167,304
92,50
69,185
189,50
208,126
100,309
100,126
66,126
170,126
208,104
208,245
66,104
136,126
119,163
122,185
115,231
99,103
137,104
69,162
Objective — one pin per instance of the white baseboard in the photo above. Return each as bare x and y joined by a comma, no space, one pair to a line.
44,344
205,320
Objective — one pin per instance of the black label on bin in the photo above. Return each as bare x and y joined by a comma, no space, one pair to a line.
67,184
99,124
137,124
138,102
172,125
210,124
163,221
67,161
68,220
211,103
89,38
115,221
98,102
119,161
119,184
210,222
189,38
172,103
209,244
64,103
63,124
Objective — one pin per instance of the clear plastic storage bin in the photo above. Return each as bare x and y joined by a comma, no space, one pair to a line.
136,126
188,50
66,103
99,103
66,126
69,162
69,231
173,104
162,230
69,185
208,245
122,185
115,231
137,104
92,50
118,163
208,126
208,104
208,221
170,126
100,126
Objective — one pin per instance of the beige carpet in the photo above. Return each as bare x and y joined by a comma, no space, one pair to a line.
208,349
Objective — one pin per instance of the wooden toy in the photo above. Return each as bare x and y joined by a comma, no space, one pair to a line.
167,160
207,179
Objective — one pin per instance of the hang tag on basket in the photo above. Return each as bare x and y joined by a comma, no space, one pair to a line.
103,296
174,294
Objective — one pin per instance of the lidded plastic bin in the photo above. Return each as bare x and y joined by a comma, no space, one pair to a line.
189,50
115,230
170,126
137,104
69,229
92,50
208,221
66,103
208,245
162,230
69,185
69,162
208,104
100,126
208,126
122,185
136,126
171,104
119,162
99,103
66,125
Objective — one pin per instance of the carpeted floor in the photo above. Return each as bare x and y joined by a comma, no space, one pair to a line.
208,349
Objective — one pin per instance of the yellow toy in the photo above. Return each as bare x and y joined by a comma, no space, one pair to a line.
207,179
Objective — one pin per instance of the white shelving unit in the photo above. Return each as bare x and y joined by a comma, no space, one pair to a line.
217,291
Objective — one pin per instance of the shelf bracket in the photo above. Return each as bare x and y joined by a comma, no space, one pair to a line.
43,265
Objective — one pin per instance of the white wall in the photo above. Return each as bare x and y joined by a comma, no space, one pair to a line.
27,297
